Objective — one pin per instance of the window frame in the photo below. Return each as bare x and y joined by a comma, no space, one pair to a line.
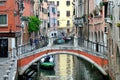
58,3
119,11
4,25
68,13
68,3
58,22
68,23
2,2
58,13
53,10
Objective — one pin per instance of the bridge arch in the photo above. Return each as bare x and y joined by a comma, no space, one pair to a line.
22,69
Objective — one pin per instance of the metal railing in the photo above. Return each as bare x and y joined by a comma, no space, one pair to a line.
22,49
90,46
94,47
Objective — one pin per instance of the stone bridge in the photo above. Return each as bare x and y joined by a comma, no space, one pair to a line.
27,59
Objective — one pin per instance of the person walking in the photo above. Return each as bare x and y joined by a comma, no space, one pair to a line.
31,41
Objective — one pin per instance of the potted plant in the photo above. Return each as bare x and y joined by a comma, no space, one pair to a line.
118,24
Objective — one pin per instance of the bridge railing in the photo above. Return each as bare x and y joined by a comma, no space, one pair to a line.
25,48
92,46
11,71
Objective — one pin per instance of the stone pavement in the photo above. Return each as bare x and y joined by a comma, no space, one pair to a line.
7,68
4,65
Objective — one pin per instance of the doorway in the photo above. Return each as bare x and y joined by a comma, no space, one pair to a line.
3,47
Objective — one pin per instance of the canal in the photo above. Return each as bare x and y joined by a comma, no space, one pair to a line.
68,67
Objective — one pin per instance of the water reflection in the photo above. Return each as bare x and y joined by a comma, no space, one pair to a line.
47,72
68,67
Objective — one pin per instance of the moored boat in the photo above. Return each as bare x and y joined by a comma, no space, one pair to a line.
47,62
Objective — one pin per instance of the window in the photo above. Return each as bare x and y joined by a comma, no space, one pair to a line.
3,20
105,29
48,25
58,14
68,13
119,10
110,10
53,10
52,2
58,23
45,0
2,2
67,3
68,22
48,14
42,9
57,3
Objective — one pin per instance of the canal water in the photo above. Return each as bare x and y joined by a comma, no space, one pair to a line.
68,67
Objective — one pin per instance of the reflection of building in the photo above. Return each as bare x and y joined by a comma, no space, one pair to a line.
52,25
65,66
65,13
10,12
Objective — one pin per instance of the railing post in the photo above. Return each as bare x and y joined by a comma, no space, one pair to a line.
75,41
5,77
50,43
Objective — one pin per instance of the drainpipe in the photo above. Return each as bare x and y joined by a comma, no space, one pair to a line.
88,25
88,21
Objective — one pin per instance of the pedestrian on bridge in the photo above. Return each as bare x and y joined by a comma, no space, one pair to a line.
31,41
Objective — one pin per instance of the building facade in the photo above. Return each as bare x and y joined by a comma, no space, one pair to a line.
10,25
52,14
65,14
43,15
27,12
97,26
112,21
